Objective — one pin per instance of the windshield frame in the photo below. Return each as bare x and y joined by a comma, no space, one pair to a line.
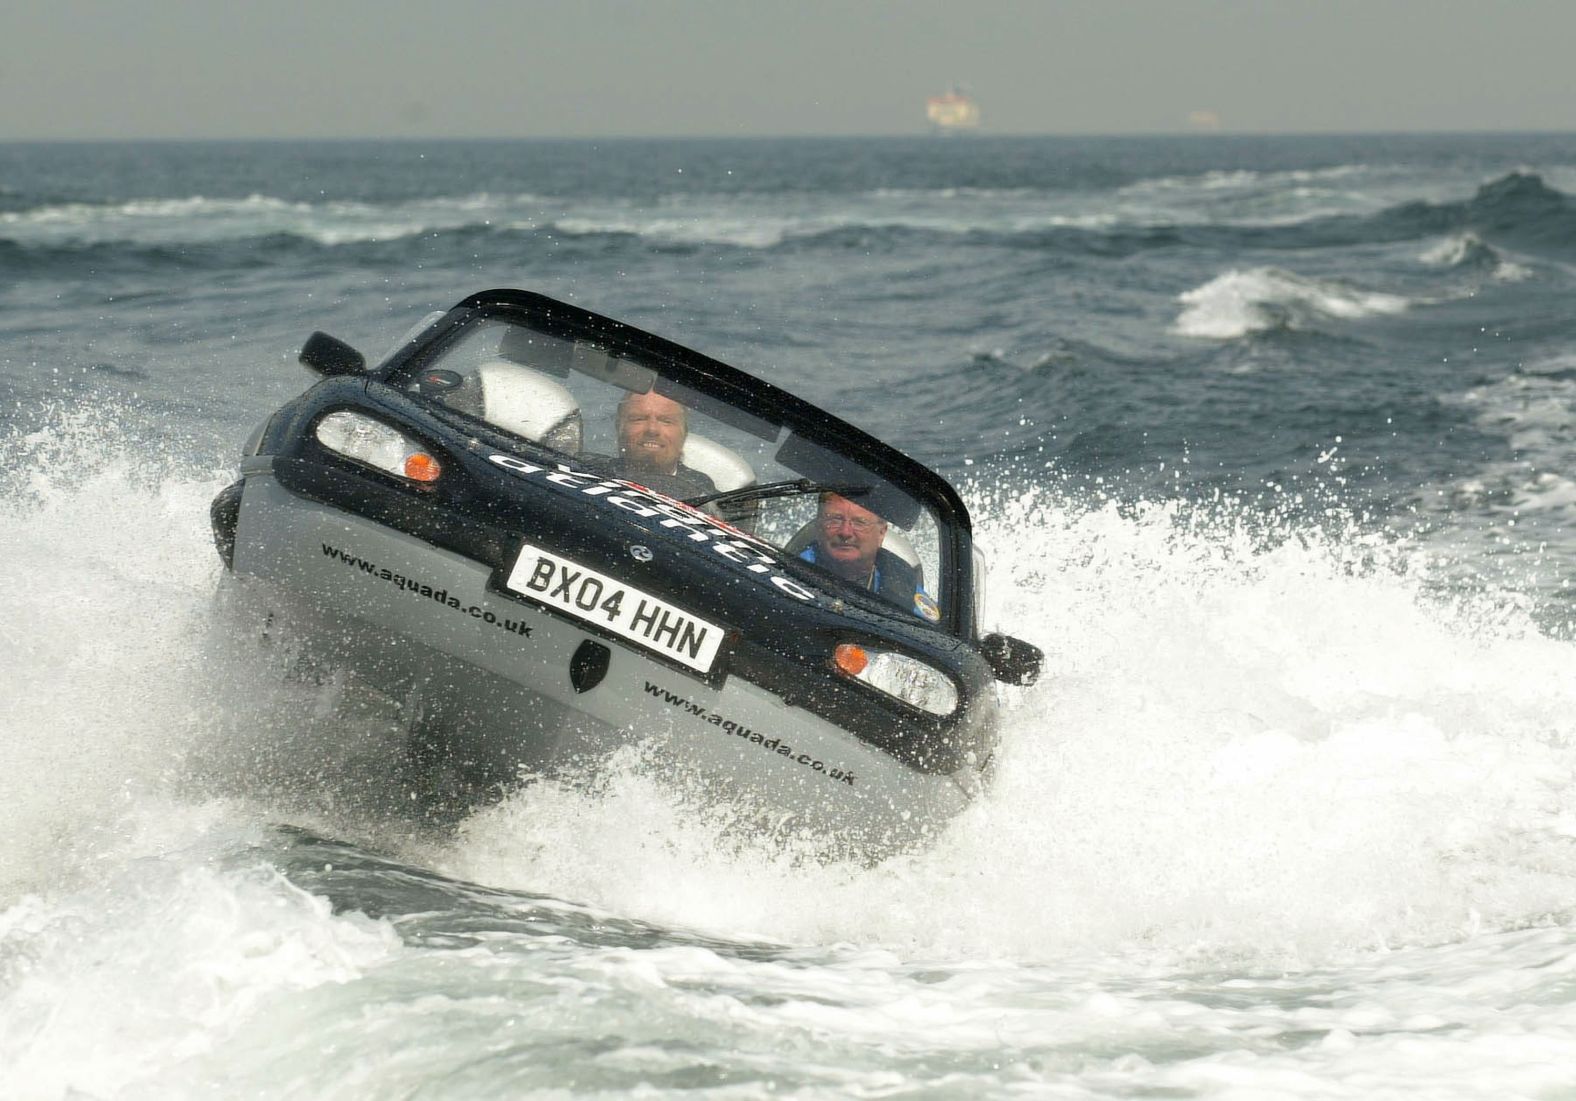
731,387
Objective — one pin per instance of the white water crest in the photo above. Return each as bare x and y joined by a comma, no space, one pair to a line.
1285,754
1457,249
127,985
201,219
1465,248
743,219
1277,804
1240,302
1245,197
109,586
1526,503
1243,178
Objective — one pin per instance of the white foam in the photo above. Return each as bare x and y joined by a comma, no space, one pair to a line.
1508,271
1263,762
110,585
1269,746
128,946
763,232
739,219
130,981
199,219
1451,251
1523,506
1461,247
1243,178
907,193
1280,753
1253,300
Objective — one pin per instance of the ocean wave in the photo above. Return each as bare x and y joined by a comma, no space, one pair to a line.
1048,355
1510,514
198,219
1561,366
1241,178
1230,210
958,193
1319,689
1535,410
1517,209
1467,251
760,233
1240,302
744,219
1257,198
1518,200
1460,250
262,245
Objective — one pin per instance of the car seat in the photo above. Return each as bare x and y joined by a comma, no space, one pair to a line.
528,403
724,466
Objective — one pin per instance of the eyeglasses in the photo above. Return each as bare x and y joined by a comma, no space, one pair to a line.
833,521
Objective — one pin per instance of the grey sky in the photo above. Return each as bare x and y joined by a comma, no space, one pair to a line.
540,68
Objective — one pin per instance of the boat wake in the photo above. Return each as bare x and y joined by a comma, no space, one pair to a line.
1254,741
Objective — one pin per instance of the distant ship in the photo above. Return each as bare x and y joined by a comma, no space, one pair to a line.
953,113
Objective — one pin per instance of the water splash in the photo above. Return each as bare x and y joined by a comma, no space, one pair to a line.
1251,744
1256,739
110,582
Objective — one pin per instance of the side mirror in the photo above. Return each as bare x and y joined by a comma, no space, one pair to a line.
1011,659
329,356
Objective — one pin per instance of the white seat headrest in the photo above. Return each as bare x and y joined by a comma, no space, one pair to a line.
900,545
723,466
527,403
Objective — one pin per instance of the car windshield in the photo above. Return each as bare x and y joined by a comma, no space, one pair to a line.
787,480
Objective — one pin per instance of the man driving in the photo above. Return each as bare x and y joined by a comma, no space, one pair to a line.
651,433
848,544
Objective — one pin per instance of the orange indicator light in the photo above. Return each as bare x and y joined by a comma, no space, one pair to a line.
850,659
422,467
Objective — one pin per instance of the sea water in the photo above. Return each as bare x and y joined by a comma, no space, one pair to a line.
1270,442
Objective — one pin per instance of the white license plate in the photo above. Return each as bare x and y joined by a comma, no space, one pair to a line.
565,586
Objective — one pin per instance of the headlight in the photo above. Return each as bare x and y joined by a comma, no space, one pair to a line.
566,435
376,444
900,676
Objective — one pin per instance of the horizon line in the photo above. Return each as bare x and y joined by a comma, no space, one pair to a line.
956,138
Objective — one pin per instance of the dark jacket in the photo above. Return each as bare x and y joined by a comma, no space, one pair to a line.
682,483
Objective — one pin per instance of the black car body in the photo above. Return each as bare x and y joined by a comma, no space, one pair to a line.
465,526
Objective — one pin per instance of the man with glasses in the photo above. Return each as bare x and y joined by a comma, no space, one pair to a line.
848,544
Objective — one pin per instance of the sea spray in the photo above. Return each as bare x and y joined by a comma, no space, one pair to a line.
109,586
1277,750
1327,854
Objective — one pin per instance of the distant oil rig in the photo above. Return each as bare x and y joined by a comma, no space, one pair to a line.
953,113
